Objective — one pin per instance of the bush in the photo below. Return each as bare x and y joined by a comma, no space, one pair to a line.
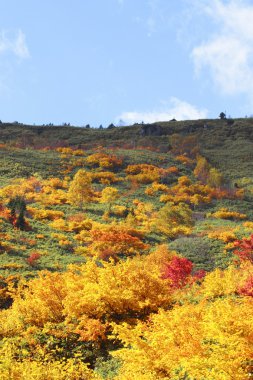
200,250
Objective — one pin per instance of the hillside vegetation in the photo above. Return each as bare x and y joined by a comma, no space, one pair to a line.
127,253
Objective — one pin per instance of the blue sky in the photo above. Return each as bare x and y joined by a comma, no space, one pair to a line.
99,61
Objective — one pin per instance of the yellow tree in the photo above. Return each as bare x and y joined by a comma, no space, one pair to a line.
202,169
109,195
80,189
215,178
172,219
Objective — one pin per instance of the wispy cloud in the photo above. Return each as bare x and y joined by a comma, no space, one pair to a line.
227,54
154,16
14,44
175,108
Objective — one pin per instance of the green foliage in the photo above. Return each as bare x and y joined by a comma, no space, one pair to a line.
203,252
108,368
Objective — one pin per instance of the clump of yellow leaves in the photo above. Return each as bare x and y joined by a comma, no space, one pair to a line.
224,213
208,340
11,368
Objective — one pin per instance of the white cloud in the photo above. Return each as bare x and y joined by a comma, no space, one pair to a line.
176,108
228,53
16,45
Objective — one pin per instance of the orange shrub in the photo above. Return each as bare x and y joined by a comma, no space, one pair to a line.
106,178
184,160
113,241
104,160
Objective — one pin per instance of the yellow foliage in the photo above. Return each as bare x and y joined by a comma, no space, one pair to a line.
77,226
51,196
104,160
80,189
119,210
41,214
59,224
23,187
155,187
240,193
105,178
203,341
215,178
109,195
13,369
65,243
84,295
141,215
40,236
173,220
219,283
145,173
226,236
133,286
224,213
188,192
54,182
184,159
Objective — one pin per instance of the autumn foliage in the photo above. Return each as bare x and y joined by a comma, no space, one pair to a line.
125,264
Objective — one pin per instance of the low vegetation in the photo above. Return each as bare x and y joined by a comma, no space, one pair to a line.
127,254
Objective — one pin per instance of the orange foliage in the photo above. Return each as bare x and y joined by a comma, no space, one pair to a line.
106,178
145,173
104,160
185,160
114,241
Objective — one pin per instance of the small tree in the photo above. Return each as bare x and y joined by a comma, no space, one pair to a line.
17,207
202,169
80,189
222,116
172,220
109,195
215,178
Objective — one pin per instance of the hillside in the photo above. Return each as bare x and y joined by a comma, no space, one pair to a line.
136,228
217,139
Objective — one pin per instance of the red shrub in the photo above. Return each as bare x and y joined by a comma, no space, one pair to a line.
32,260
178,271
245,249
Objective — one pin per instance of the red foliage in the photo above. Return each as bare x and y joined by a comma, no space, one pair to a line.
32,260
245,249
199,274
178,271
247,289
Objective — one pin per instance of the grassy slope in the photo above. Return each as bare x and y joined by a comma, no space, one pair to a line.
224,145
229,148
